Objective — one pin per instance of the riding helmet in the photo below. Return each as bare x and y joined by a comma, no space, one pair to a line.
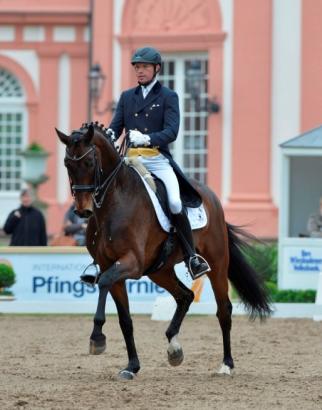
146,55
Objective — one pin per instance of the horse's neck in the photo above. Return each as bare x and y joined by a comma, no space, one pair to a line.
109,156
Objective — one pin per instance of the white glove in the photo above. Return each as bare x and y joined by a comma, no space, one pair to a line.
137,138
111,133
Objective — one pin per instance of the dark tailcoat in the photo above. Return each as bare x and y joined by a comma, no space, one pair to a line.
158,116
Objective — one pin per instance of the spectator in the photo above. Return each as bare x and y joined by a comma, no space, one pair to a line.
75,226
314,224
26,225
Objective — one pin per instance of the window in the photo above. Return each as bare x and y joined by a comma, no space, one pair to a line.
11,131
190,148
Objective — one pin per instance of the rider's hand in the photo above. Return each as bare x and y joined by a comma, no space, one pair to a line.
111,133
137,138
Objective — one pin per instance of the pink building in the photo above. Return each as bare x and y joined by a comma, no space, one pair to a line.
261,60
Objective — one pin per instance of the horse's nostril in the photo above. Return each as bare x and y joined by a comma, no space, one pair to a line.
78,213
87,213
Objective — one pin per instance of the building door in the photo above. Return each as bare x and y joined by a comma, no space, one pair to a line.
190,148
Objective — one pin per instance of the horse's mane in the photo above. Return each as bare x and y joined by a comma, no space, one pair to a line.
100,128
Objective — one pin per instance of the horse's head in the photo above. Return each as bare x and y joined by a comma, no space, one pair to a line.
84,162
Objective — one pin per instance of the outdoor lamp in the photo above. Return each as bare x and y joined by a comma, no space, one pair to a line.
97,80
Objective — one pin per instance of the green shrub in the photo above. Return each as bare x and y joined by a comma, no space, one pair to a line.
7,276
290,295
263,258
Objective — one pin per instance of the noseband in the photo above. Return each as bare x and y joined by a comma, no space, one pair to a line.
98,189
83,187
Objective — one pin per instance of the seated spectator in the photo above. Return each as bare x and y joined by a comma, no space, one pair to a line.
75,226
26,225
314,224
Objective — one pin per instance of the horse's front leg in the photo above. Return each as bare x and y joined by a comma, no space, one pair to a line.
121,300
97,341
113,280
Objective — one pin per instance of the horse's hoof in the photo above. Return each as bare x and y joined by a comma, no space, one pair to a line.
96,347
126,375
175,352
176,357
225,370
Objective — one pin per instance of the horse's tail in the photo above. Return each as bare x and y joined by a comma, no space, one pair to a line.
244,278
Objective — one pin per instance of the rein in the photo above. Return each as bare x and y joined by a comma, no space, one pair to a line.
99,189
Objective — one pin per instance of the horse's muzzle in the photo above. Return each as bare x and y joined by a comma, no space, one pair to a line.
86,213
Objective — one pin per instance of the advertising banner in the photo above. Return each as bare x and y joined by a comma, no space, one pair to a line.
51,275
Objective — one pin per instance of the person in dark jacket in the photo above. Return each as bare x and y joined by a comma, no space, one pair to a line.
26,225
75,226
149,114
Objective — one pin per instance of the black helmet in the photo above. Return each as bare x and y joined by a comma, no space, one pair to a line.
146,55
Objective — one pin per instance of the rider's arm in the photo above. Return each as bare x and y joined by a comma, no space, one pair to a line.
171,122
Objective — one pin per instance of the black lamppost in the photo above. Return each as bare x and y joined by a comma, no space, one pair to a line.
97,80
195,78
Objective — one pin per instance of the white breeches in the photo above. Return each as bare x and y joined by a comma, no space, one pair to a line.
160,166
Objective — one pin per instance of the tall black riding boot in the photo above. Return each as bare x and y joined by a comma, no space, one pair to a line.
195,263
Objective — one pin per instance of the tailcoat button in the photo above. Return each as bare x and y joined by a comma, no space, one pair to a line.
136,114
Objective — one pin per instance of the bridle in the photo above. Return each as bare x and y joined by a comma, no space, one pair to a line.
99,188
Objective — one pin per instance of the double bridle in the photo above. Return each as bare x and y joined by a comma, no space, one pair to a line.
98,189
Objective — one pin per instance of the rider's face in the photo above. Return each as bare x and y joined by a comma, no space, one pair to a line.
144,72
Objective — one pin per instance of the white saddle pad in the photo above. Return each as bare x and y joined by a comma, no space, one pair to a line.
197,216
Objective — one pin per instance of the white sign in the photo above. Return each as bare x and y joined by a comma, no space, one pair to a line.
300,263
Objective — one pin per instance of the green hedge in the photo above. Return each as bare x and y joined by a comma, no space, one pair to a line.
289,295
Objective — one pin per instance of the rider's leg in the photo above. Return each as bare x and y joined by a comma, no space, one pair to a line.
162,169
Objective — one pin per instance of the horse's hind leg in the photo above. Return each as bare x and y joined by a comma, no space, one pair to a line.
219,282
184,297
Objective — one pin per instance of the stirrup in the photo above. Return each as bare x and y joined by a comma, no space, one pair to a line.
200,259
89,277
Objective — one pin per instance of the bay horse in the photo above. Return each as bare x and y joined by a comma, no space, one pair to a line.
124,238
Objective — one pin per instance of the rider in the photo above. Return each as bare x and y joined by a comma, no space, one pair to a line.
150,113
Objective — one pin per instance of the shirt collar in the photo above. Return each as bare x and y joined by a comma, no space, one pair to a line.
149,87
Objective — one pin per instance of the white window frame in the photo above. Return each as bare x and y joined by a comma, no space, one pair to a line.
179,79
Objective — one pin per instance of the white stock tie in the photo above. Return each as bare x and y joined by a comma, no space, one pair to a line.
145,91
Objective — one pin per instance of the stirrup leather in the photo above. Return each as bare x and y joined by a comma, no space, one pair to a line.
201,259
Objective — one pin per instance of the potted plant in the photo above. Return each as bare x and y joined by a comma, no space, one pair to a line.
35,158
7,279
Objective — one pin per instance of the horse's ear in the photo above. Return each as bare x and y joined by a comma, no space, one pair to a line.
63,137
90,134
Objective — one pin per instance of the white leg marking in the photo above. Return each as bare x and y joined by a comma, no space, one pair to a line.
174,345
224,369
